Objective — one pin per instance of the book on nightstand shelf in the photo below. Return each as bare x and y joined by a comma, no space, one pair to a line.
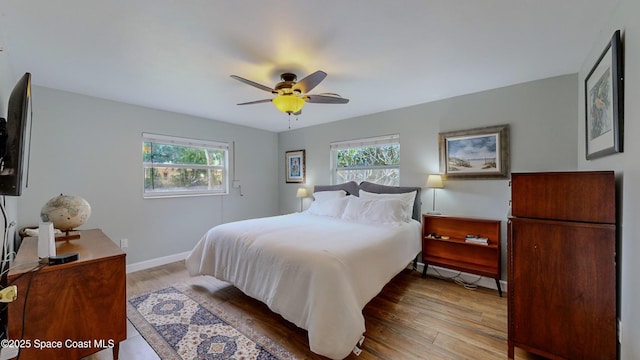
476,239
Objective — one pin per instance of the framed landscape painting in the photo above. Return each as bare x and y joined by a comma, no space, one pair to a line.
481,153
295,166
604,106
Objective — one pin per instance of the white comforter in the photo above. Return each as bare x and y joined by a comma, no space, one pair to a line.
317,272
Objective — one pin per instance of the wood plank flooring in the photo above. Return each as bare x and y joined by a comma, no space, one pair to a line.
412,318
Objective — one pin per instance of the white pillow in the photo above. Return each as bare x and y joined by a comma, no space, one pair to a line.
326,195
407,200
331,207
379,211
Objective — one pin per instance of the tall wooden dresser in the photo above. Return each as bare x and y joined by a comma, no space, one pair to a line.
562,265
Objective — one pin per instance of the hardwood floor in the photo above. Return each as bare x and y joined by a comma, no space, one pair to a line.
412,318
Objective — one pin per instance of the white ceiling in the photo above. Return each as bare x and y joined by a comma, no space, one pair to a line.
178,55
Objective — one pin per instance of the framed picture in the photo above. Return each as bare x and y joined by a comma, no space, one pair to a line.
481,153
295,166
604,104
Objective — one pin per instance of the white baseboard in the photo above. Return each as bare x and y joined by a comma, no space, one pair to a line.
485,282
147,264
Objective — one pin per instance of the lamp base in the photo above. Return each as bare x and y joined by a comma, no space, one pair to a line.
434,212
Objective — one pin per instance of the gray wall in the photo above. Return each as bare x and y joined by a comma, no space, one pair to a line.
626,165
541,115
92,148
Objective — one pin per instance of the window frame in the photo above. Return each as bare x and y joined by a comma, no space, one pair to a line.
188,142
360,143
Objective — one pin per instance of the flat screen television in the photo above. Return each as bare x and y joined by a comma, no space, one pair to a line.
13,138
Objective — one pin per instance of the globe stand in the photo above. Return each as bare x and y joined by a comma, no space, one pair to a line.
67,235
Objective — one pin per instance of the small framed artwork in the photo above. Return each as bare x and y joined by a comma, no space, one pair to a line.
481,153
604,104
295,166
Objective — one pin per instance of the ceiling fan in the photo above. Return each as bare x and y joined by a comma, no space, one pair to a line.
291,95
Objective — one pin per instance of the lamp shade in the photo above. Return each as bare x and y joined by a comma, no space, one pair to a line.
302,193
288,103
434,181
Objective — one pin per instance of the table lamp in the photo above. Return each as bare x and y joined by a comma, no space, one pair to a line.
434,181
302,193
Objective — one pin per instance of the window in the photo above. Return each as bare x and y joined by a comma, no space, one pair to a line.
176,166
376,160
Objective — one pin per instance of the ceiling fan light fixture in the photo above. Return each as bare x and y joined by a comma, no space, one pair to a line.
289,103
290,96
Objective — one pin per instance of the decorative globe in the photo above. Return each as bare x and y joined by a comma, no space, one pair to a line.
66,212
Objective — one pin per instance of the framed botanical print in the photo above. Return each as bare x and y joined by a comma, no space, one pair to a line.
604,102
481,153
295,167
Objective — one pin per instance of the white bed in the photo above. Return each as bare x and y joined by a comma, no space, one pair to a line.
316,271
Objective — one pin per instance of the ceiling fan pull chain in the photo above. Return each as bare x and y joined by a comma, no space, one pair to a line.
289,121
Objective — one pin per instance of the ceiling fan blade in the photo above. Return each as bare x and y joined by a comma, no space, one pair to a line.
254,84
326,99
256,102
307,84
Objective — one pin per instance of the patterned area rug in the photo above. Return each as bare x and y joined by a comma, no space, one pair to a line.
178,327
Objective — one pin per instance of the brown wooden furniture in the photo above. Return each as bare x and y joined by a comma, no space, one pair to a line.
454,252
80,305
561,265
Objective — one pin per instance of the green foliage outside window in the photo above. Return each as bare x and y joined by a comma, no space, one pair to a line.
377,164
171,167
369,156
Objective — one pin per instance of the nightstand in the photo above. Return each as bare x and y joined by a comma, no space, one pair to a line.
448,247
